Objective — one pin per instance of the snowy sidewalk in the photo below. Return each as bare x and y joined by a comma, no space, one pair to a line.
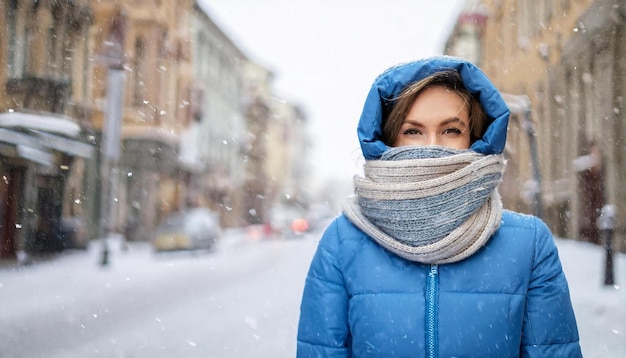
600,310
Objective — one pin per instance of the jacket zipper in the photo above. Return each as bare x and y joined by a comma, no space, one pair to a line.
431,312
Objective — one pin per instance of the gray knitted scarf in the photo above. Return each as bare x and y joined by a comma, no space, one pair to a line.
431,204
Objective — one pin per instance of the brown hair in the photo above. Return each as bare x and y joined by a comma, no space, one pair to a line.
448,79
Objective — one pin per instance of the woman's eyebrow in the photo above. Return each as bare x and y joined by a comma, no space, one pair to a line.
447,121
414,122
454,120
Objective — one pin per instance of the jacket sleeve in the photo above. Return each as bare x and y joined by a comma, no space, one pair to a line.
549,323
323,328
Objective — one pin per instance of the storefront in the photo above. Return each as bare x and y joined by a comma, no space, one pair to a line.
37,153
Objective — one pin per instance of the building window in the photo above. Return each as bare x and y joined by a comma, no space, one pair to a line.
565,5
60,41
159,81
202,56
549,10
85,78
139,90
17,34
524,23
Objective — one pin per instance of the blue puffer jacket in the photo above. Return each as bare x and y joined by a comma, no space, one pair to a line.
510,299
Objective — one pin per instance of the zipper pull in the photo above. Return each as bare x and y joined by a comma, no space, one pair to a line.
434,269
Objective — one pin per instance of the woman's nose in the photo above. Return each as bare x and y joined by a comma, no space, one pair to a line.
434,140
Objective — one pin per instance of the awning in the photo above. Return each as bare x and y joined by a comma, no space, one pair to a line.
48,122
35,155
69,146
25,146
37,135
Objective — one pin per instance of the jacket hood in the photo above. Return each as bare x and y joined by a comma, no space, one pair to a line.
390,84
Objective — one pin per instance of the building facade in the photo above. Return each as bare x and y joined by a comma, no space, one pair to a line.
219,131
288,167
152,41
277,154
242,138
560,65
43,150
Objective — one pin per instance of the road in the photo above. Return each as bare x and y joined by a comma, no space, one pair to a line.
240,300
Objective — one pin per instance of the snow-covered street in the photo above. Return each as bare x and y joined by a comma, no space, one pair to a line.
239,300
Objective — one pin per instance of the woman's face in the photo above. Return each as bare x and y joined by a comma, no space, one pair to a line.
438,116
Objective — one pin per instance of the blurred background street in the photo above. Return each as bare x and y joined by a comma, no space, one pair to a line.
222,133
240,299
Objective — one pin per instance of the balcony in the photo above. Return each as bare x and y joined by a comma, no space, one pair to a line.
41,94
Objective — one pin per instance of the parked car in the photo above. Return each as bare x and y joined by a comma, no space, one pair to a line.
191,229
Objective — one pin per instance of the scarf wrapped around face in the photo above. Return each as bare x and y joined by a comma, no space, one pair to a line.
429,204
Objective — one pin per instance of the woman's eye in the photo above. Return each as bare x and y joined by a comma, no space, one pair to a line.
411,131
452,131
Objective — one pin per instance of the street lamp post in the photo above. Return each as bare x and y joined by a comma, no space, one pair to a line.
110,153
111,130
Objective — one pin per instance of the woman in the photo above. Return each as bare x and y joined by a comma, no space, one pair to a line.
424,262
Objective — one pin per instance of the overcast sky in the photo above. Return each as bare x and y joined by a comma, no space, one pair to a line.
325,55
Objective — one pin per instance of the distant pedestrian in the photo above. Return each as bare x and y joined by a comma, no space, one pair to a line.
424,262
